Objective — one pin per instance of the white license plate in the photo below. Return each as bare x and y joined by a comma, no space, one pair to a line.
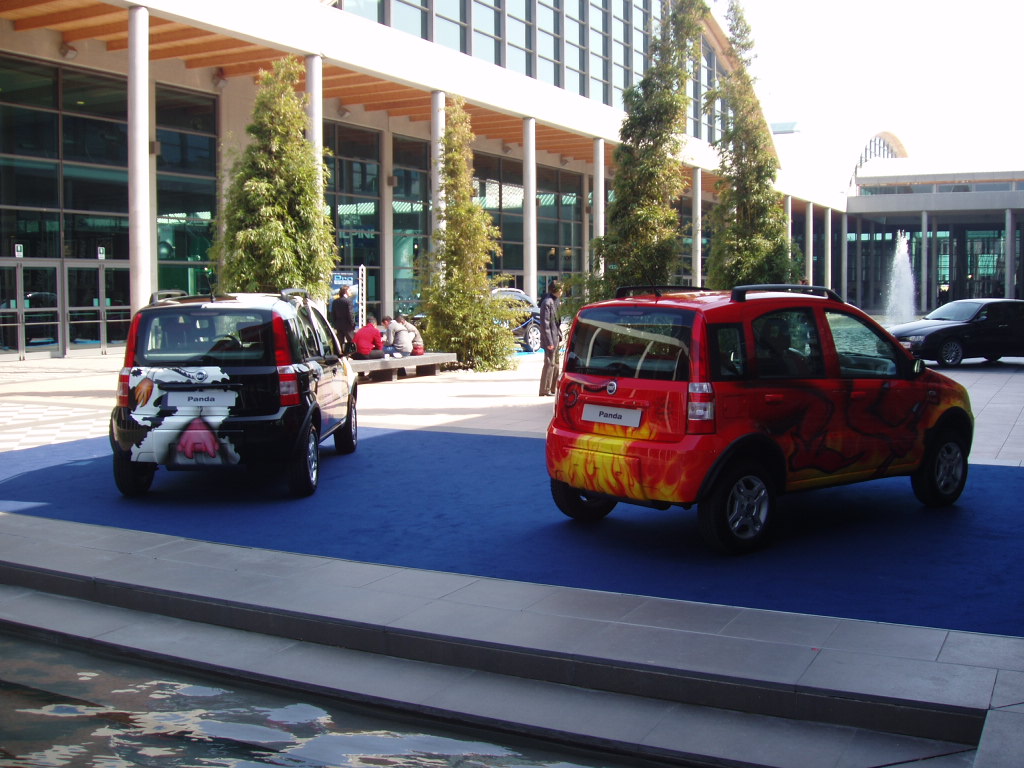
603,414
204,398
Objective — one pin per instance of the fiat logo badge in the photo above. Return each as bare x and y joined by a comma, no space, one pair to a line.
613,387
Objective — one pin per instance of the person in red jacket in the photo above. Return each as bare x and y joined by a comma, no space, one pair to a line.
368,341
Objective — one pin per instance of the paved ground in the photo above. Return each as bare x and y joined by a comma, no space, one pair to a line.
46,401
692,683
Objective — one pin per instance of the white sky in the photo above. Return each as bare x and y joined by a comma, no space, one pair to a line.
942,75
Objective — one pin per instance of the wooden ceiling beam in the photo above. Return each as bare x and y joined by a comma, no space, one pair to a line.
184,34
369,91
60,19
108,31
226,59
17,5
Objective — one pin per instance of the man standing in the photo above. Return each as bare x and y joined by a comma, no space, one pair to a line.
343,317
550,337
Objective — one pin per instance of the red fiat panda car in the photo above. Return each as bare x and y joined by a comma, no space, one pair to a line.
728,399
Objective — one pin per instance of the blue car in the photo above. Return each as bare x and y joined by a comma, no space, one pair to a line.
528,331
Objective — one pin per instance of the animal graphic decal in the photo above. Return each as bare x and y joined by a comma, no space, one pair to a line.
183,411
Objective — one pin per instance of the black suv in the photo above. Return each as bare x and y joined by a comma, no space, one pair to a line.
237,379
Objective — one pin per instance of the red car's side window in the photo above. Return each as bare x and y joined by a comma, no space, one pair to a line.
787,345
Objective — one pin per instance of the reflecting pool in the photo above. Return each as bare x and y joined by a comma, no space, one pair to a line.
62,707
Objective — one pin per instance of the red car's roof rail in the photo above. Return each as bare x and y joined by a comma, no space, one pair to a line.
624,291
739,293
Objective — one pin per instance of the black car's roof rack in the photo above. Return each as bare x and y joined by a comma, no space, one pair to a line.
166,295
739,293
624,291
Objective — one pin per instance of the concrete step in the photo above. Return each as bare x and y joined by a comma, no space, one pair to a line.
626,726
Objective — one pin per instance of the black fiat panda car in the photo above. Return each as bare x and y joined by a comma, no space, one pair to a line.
228,380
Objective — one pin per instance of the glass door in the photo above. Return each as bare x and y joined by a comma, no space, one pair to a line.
116,305
39,310
85,313
98,308
10,322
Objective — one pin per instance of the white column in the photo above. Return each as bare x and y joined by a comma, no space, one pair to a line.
437,129
859,282
141,230
315,110
934,278
696,212
1009,255
827,236
809,244
922,301
597,203
789,225
844,254
530,207
387,225
872,269
599,182
315,99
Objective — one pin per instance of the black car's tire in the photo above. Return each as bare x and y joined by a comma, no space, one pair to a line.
304,468
940,479
347,438
132,478
951,353
736,516
532,338
576,504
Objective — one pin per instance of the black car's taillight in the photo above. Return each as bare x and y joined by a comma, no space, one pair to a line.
123,400
287,379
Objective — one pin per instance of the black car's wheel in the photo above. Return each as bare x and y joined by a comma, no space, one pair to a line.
940,479
576,504
132,478
532,338
951,353
736,516
304,469
347,438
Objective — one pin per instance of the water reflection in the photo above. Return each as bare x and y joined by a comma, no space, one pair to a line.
60,708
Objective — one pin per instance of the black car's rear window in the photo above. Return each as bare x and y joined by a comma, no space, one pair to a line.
644,342
200,336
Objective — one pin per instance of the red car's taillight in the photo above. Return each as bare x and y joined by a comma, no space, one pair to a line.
287,379
700,408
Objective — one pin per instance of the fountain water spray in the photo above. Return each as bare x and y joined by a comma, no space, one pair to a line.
899,299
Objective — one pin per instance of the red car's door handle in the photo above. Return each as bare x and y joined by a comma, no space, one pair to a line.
774,398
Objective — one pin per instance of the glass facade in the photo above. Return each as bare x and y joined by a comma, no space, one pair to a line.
410,216
560,195
353,198
595,48
64,272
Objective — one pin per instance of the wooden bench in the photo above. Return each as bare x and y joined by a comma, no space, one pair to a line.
387,368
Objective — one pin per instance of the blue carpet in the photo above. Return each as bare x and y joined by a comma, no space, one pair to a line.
480,505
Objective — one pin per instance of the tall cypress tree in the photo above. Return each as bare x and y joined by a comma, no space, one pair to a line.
643,226
461,315
749,237
275,230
